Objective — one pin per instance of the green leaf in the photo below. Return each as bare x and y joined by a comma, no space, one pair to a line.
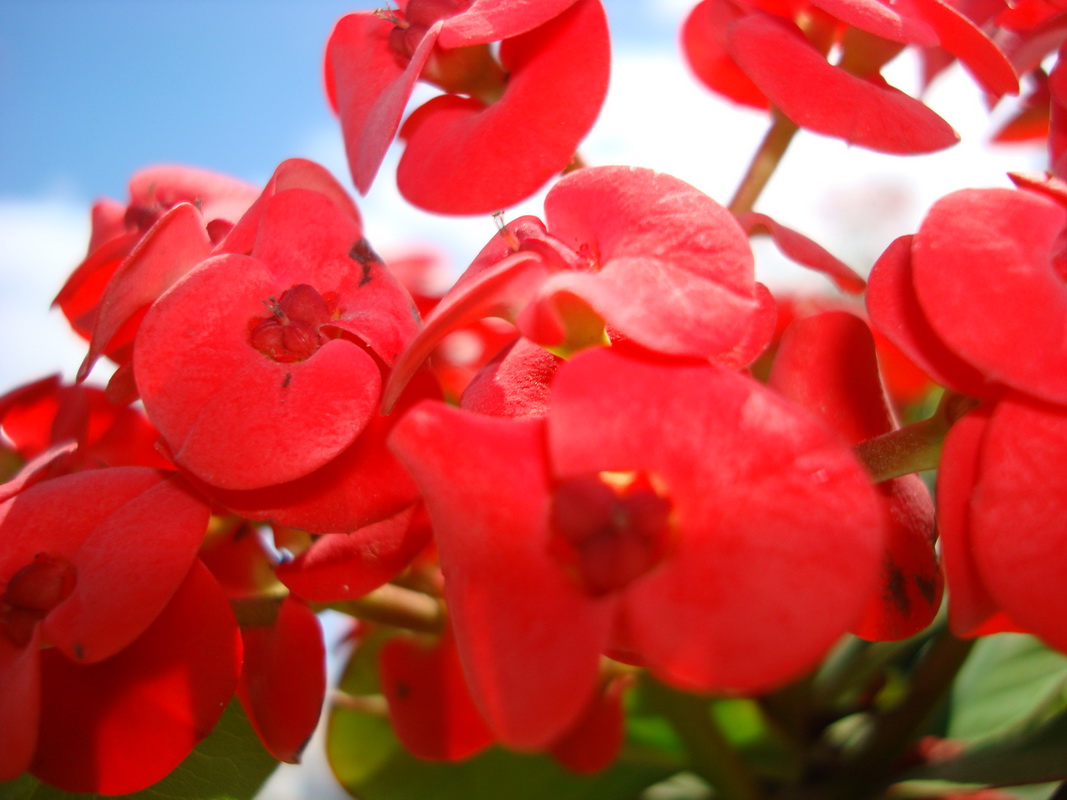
230,764
371,764
1008,680
1033,756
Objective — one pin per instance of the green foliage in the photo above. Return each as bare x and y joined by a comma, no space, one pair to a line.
230,764
1009,679
1009,704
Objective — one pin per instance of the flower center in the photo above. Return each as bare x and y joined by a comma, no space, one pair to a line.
611,528
32,592
291,333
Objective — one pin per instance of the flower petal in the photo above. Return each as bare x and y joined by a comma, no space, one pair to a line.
894,310
1019,515
779,530
986,280
120,725
463,157
486,487
824,99
283,679
675,269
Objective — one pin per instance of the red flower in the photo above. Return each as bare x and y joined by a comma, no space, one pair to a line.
755,54
639,252
260,370
128,622
118,230
977,297
503,129
679,516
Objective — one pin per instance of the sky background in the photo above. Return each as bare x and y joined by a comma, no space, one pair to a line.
93,90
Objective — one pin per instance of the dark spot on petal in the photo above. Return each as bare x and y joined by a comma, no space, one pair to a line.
927,588
79,651
365,256
288,377
896,591
402,691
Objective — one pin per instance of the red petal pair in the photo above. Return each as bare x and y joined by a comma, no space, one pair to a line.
466,155
1002,502
641,252
261,369
976,297
773,535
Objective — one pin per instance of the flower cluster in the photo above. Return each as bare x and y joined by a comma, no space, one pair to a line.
606,463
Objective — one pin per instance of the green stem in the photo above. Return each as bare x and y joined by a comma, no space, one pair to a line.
710,755
395,606
914,447
763,163
868,764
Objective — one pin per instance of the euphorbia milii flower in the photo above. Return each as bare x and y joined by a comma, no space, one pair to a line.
827,364
755,54
117,229
503,129
260,369
283,678
679,516
79,577
435,717
45,413
624,250
1002,503
977,296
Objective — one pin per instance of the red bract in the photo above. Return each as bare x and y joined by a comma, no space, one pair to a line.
435,717
117,230
643,253
860,110
79,574
503,129
120,725
1002,502
827,364
260,369
752,53
344,566
45,413
283,679
430,707
458,357
804,251
977,297
682,517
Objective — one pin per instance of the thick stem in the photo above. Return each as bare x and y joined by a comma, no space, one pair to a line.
396,606
866,767
763,164
915,447
710,755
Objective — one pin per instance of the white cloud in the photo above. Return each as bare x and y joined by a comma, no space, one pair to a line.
43,240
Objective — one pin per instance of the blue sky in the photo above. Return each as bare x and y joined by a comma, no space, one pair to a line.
93,90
